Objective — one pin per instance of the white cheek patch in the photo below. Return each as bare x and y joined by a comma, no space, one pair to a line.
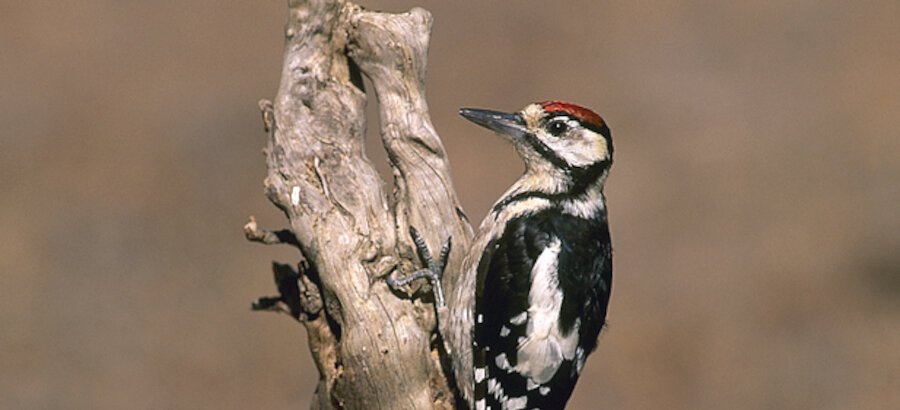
601,148
581,150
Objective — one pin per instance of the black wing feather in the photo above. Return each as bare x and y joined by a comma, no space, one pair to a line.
503,284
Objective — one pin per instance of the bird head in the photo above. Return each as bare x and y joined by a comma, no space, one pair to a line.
569,144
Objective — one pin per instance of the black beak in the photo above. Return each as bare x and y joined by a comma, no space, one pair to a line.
511,125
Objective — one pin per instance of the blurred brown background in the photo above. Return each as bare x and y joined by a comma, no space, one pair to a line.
754,200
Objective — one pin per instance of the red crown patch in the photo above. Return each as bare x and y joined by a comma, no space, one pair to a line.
586,116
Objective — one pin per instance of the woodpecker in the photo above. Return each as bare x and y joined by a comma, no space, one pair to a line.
535,284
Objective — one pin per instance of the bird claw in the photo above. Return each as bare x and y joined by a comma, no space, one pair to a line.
434,271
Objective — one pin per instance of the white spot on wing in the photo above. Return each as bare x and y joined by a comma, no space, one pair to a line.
479,374
530,384
495,389
480,318
504,331
544,391
502,362
579,360
519,319
480,404
516,403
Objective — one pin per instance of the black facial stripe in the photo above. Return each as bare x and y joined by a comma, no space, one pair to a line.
579,174
546,152
603,130
583,178
522,196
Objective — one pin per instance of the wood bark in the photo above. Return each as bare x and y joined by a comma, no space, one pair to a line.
374,347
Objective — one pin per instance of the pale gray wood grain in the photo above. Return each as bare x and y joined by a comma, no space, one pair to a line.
373,347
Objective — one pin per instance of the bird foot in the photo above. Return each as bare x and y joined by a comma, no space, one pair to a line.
434,270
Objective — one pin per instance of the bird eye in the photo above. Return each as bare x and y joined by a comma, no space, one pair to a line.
557,128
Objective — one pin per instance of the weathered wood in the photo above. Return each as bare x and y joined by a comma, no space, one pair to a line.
374,347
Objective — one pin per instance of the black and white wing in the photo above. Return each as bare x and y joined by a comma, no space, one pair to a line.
530,342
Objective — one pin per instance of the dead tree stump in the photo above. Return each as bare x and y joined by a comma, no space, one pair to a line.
374,347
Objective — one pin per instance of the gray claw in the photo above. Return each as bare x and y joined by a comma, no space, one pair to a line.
433,273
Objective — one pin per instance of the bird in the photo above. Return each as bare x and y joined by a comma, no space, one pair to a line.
535,284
